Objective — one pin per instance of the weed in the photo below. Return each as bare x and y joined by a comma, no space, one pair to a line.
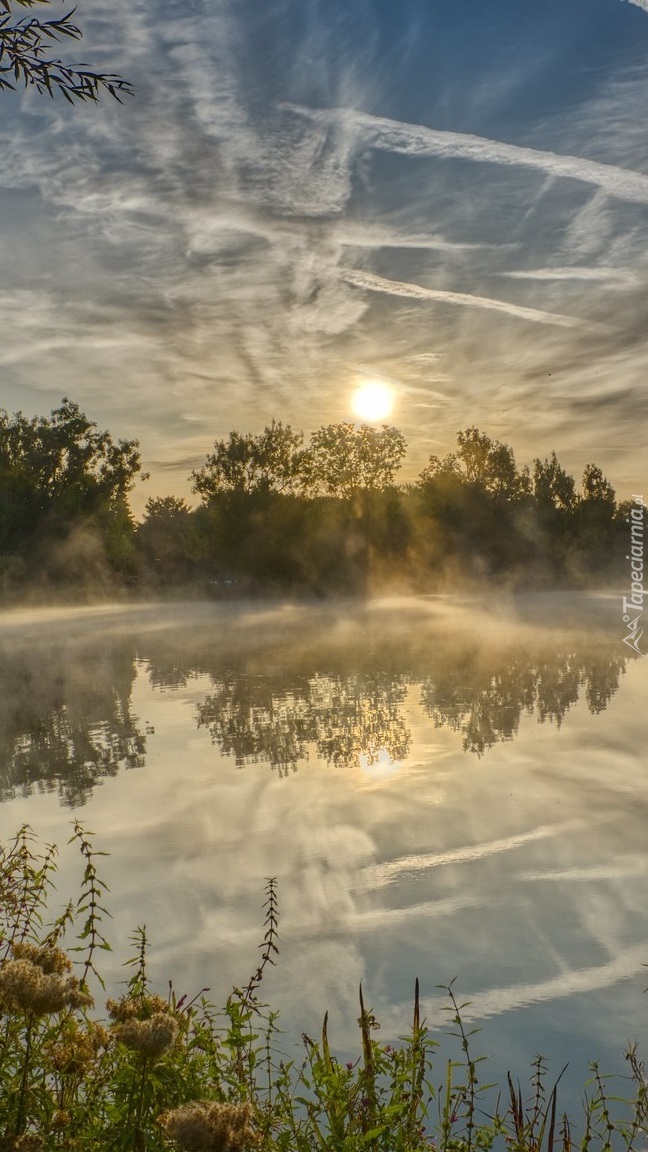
162,1073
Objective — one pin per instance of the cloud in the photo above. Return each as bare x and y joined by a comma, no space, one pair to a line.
397,288
639,4
419,141
186,252
376,235
613,277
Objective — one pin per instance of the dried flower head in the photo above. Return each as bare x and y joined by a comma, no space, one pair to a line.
51,960
61,1118
149,1037
208,1126
28,1142
77,1048
136,1008
35,981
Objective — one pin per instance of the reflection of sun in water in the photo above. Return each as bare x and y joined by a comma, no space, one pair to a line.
373,400
379,764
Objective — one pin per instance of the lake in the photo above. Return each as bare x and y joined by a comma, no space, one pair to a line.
444,788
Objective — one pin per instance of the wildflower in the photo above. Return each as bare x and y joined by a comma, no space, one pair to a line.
149,1037
207,1126
349,1066
35,981
28,1142
144,1023
51,961
78,1049
136,1008
62,1118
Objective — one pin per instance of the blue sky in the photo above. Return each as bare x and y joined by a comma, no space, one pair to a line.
303,195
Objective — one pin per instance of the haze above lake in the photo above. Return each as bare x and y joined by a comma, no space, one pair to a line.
443,788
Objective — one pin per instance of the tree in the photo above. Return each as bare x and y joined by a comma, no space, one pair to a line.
164,538
596,487
59,472
65,458
596,514
553,488
487,463
25,56
345,459
273,461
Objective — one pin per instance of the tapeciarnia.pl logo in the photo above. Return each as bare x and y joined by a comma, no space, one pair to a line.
633,605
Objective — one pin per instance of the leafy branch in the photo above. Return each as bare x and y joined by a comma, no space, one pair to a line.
25,57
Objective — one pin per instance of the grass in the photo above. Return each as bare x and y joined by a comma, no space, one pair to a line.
160,1073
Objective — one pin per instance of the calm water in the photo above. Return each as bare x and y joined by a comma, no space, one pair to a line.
443,789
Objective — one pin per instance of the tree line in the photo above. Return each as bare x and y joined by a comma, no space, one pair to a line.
278,514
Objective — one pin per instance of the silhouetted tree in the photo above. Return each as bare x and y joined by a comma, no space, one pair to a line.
345,459
477,498
164,539
553,488
487,463
273,461
596,486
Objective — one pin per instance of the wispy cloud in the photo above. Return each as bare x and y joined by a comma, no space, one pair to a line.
613,277
191,256
416,291
417,140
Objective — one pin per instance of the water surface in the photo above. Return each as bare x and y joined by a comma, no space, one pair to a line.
444,788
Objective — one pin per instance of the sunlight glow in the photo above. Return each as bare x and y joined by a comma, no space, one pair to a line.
373,400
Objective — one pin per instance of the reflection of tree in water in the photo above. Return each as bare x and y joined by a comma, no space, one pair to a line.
252,722
66,722
484,699
359,716
329,686
481,693
341,718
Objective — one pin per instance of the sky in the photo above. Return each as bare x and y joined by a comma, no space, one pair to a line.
303,196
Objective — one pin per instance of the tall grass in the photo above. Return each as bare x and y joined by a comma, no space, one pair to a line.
149,1073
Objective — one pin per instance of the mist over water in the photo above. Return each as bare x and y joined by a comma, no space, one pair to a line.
443,787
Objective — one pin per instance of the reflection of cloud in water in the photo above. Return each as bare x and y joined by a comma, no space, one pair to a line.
623,868
377,875
521,873
392,918
494,1001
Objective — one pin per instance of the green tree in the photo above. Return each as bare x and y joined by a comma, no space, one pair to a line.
271,462
346,459
164,538
25,56
58,473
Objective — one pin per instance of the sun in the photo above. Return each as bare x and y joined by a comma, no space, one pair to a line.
373,400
